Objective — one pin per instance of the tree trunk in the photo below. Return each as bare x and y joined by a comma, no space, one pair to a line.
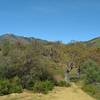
67,77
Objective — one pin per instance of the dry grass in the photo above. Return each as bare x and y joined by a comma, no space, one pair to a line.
59,93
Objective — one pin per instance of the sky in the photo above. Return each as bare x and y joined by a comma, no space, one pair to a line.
53,20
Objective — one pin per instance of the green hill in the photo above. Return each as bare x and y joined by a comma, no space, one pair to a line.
94,42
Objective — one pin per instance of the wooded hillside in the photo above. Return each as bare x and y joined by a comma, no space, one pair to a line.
26,61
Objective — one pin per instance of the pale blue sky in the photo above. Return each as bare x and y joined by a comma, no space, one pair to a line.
63,20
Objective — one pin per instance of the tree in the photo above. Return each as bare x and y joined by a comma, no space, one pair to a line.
76,53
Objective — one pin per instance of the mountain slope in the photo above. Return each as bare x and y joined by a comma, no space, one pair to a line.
94,42
31,60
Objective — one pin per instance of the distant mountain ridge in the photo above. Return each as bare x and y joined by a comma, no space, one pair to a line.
22,39
27,40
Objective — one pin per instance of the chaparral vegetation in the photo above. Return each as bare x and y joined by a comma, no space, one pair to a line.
38,65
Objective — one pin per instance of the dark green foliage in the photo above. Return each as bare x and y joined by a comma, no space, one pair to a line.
90,89
38,72
15,85
2,72
93,90
10,86
91,72
4,87
74,79
43,86
63,84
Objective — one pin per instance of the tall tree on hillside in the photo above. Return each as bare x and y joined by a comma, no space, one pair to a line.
76,53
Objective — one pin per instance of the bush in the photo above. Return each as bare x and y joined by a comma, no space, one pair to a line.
90,89
30,74
43,86
74,79
93,90
10,86
15,86
63,84
91,72
4,87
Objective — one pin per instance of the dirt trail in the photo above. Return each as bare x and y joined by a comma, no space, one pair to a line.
59,93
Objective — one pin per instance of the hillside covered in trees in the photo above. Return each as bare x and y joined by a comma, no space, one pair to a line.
38,65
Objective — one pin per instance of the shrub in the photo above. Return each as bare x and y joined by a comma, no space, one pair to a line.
15,86
10,86
68,84
4,87
74,79
91,72
90,89
93,90
43,86
63,84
